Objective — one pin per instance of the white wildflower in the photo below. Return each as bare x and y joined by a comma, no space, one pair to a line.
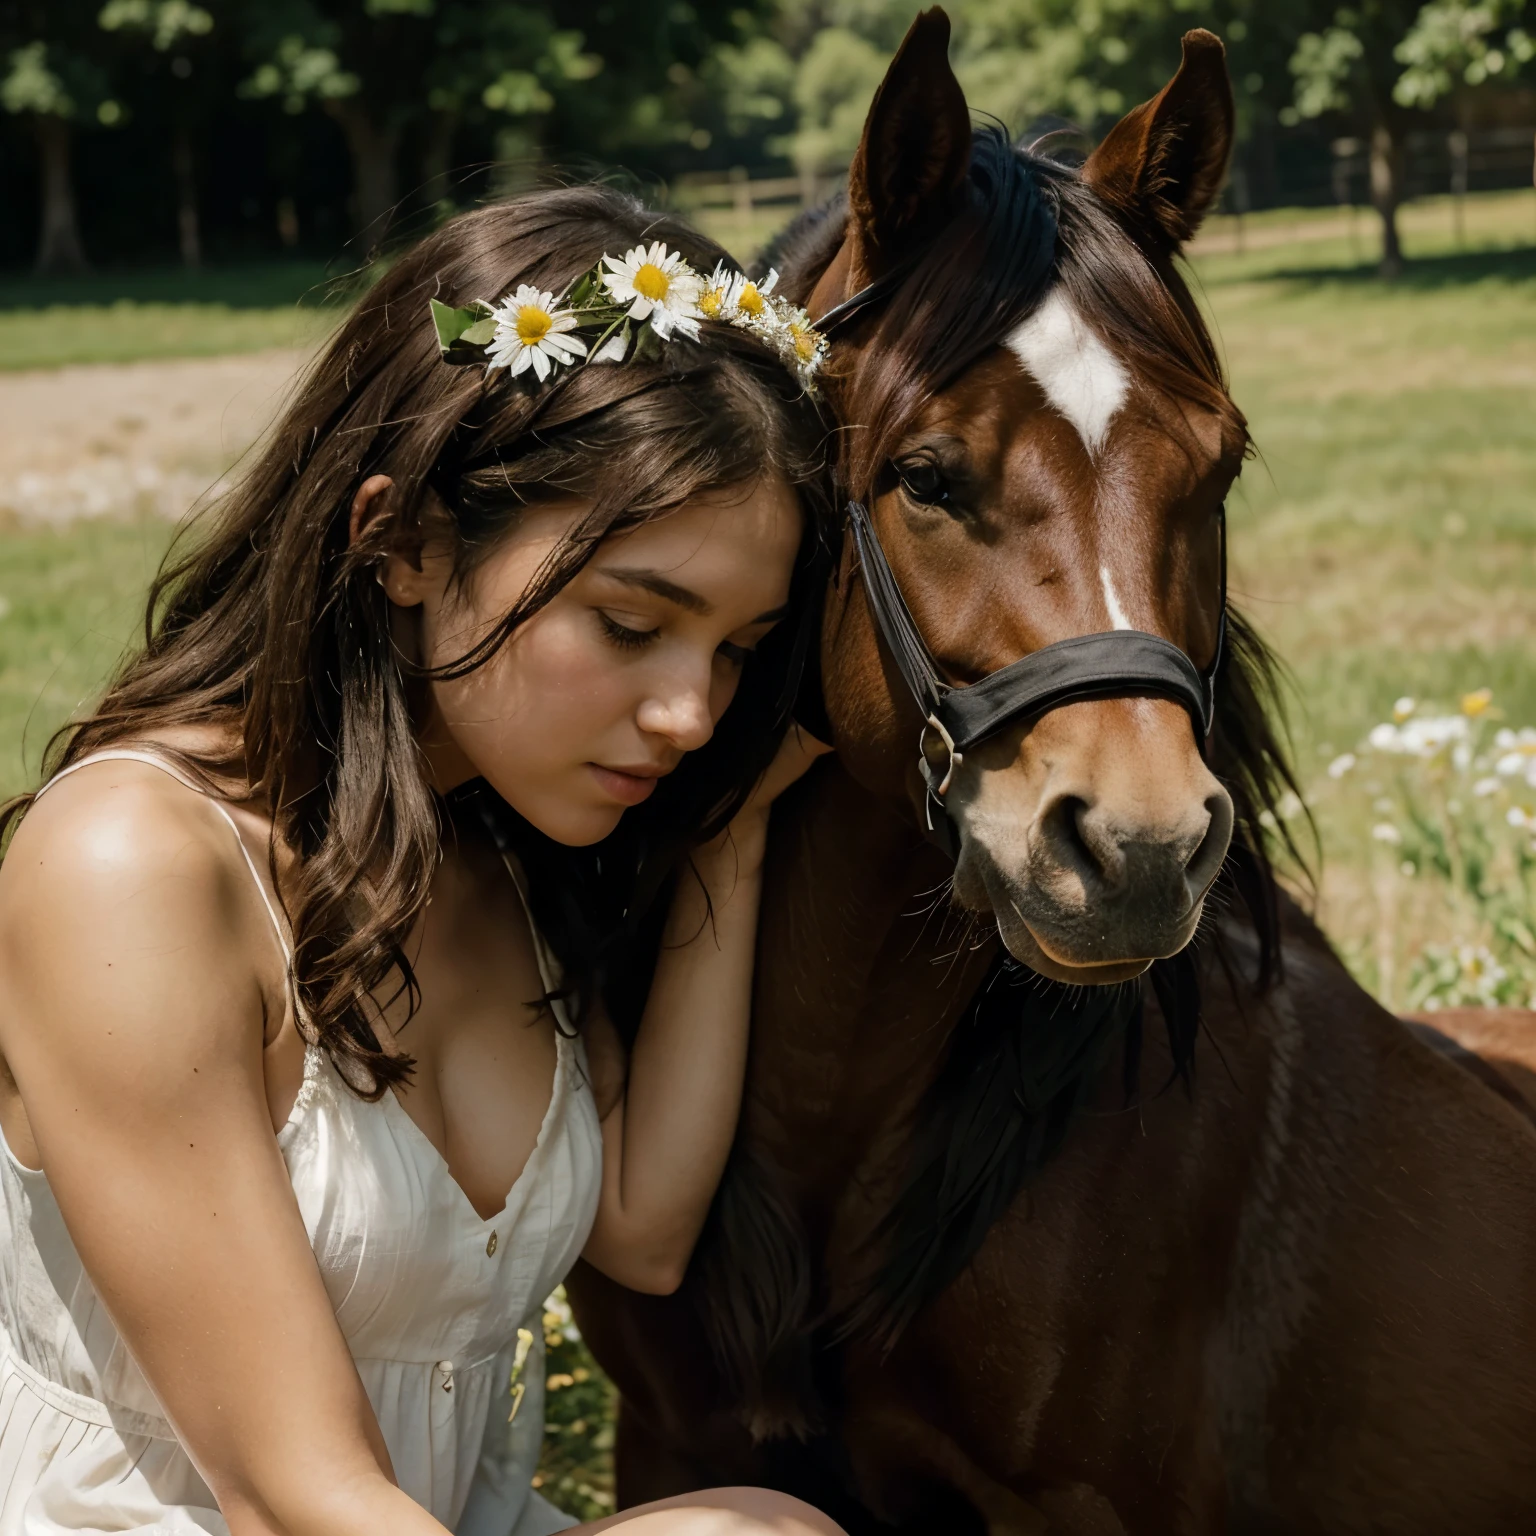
1420,738
1341,765
746,302
1485,787
657,285
1385,832
1404,707
1479,970
532,333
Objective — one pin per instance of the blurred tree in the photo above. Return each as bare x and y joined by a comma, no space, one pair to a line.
1347,63
814,64
1454,45
174,37
392,70
380,67
55,69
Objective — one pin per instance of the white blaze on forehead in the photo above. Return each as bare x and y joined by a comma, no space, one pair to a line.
1117,618
1081,377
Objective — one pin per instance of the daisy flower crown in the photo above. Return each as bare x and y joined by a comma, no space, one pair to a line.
623,308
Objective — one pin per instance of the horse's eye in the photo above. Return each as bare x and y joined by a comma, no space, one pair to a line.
924,482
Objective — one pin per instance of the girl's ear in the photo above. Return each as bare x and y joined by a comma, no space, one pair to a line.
368,506
399,569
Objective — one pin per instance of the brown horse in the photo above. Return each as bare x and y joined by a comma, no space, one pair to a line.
963,1274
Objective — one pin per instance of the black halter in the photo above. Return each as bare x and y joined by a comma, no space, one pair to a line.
1114,664
1117,663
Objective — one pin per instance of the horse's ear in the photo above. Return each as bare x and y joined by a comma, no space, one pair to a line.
1163,164
909,171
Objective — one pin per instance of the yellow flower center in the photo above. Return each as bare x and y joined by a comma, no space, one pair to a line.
751,301
533,324
652,283
1475,704
710,301
805,343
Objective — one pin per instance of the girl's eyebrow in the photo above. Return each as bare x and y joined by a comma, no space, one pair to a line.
685,597
655,582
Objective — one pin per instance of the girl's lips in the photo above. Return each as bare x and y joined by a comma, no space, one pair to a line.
626,788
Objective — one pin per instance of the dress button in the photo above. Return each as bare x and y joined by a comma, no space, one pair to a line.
445,1370
490,1244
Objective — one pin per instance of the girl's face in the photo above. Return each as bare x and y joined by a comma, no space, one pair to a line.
628,667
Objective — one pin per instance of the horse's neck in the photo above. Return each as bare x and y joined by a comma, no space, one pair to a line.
864,969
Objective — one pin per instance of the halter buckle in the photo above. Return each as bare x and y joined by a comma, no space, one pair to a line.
956,758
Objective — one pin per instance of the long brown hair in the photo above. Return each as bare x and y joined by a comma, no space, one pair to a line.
273,629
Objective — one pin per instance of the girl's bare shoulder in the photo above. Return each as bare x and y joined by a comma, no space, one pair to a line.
121,879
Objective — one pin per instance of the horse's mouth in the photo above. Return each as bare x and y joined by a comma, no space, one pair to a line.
1072,947
1025,945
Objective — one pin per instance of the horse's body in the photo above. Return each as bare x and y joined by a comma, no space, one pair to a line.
1296,1292
1297,1298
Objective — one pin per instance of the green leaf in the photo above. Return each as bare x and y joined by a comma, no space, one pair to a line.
582,291
463,333
451,323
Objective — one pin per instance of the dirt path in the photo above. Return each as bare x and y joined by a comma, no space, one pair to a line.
124,439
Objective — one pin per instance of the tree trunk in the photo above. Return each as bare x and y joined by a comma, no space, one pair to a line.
437,159
1387,173
58,240
374,186
188,233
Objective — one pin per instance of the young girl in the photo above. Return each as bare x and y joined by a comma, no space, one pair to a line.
302,1118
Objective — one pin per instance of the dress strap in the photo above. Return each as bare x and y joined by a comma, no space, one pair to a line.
549,967
154,760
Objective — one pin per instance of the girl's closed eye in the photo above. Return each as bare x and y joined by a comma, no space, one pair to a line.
625,636
737,655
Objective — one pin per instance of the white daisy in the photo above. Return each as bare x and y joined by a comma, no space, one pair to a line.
802,346
532,333
716,288
746,303
657,285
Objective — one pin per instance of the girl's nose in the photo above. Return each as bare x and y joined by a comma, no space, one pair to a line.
680,713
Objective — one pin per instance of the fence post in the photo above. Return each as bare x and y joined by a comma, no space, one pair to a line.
1240,204
1344,151
741,194
1459,165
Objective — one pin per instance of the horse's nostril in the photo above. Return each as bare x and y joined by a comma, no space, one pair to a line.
1205,862
1081,844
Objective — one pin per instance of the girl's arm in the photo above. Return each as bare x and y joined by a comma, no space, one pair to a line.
668,1132
132,1012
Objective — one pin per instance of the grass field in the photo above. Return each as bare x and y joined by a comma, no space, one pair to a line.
120,317
1384,539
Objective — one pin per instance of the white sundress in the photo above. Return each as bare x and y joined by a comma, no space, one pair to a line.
429,1296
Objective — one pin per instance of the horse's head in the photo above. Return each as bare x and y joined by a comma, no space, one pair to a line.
1036,419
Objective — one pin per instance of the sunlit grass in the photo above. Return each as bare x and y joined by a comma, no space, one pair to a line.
70,601
1385,538
119,317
